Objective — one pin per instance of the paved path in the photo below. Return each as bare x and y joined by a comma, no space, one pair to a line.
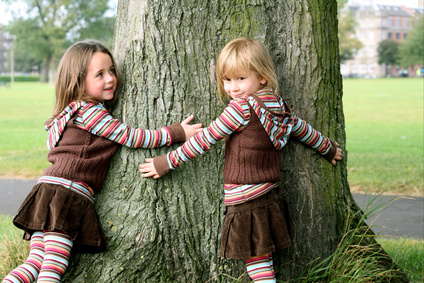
398,216
12,193
403,218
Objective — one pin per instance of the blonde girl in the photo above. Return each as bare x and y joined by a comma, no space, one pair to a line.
256,125
58,215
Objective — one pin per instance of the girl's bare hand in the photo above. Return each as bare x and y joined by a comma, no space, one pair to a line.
148,169
190,130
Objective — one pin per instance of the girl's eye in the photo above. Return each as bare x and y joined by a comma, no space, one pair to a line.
99,75
241,78
112,71
227,80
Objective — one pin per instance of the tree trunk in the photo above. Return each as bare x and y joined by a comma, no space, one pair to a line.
168,230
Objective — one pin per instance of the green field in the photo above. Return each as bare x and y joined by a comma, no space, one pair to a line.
384,128
23,109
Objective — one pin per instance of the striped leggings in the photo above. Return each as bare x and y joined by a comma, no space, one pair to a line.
47,261
261,269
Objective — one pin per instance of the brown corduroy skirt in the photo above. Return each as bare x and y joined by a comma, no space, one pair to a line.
52,207
257,227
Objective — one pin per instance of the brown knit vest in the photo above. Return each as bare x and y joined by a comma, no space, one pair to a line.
81,156
250,156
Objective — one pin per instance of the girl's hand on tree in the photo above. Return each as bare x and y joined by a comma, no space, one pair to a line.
338,155
148,169
190,130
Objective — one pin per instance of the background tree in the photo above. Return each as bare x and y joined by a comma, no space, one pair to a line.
388,53
168,230
46,28
25,63
411,51
349,44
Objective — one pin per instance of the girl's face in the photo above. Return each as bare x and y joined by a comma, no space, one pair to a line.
243,84
100,81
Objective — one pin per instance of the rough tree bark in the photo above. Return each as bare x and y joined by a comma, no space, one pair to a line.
168,230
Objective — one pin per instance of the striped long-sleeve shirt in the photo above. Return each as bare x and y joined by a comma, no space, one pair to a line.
233,119
95,119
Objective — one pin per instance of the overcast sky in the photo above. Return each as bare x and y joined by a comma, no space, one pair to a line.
5,15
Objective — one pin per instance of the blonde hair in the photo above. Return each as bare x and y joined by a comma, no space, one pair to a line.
244,55
71,73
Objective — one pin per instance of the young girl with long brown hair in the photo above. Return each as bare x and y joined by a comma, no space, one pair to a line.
58,215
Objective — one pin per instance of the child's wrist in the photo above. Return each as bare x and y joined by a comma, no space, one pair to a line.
176,133
161,165
332,152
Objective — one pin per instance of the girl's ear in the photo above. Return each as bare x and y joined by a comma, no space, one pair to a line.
262,81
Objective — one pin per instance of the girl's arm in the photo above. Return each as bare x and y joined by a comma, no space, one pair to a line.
98,121
304,132
234,117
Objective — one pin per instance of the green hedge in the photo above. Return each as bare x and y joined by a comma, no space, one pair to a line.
6,79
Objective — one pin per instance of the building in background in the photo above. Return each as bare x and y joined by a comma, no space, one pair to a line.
376,22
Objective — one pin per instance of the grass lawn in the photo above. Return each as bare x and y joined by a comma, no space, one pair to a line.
23,109
384,128
408,254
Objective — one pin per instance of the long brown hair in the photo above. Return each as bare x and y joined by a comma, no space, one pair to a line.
244,55
70,79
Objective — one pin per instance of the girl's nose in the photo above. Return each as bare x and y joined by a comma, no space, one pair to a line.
234,85
109,78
